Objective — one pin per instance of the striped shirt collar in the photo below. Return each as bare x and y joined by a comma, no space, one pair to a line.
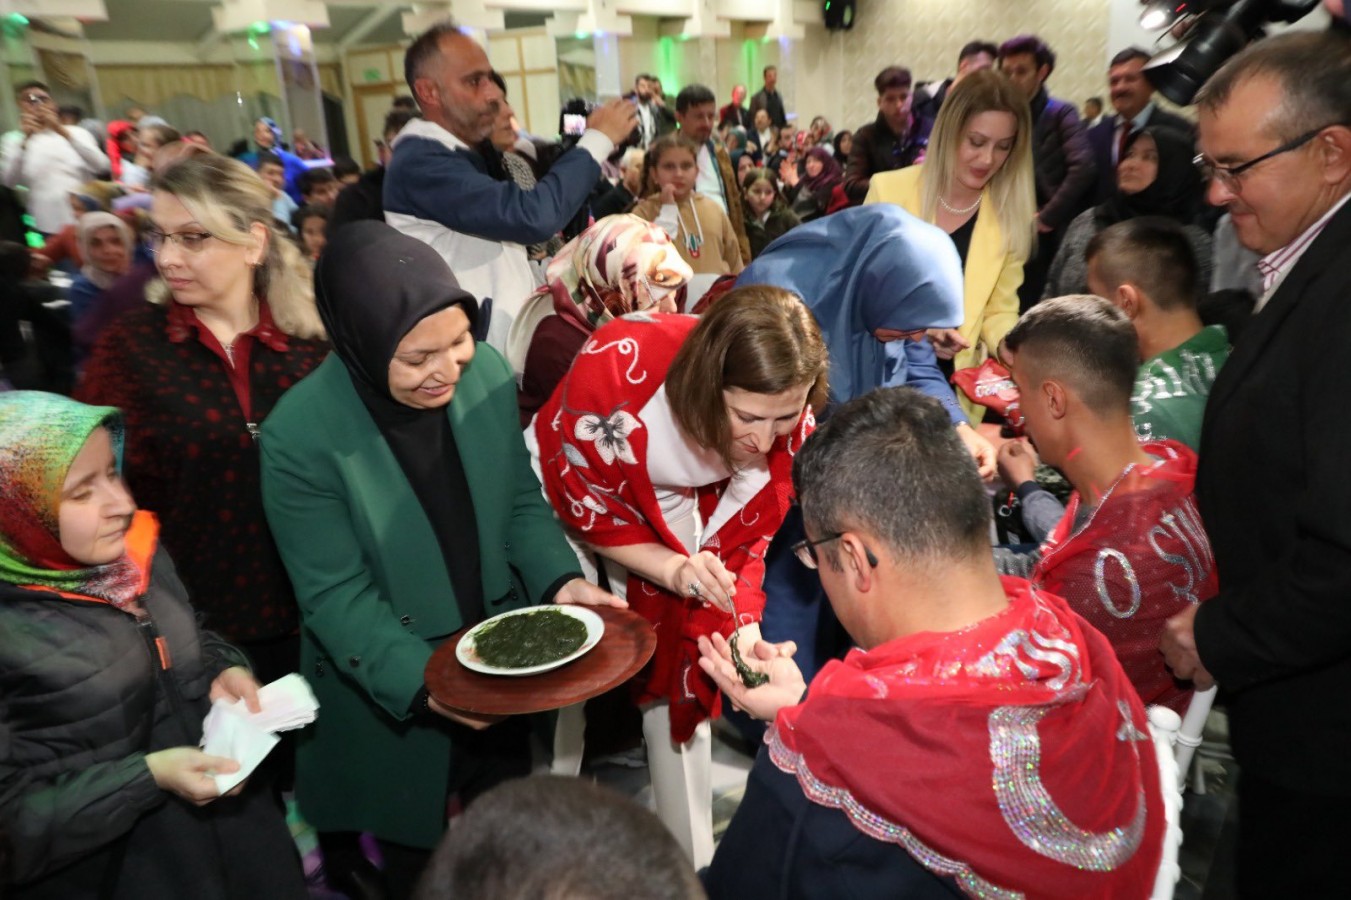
1277,264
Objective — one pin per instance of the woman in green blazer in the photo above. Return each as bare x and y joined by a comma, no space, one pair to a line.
401,497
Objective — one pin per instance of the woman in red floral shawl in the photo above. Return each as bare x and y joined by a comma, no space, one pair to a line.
668,449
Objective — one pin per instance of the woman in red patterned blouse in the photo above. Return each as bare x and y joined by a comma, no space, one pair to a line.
229,326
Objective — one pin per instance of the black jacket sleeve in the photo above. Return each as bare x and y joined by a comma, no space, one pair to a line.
1080,170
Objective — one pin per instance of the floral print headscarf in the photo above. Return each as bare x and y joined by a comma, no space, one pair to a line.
619,265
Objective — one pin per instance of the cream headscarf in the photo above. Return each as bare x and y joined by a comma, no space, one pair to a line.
89,224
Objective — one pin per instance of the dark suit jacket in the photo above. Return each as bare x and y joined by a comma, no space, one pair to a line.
878,149
772,104
739,116
782,845
1276,501
1103,135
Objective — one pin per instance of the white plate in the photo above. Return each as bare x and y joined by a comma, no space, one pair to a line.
468,656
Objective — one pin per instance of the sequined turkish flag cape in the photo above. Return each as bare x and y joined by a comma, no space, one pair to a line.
1012,755
593,451
1141,558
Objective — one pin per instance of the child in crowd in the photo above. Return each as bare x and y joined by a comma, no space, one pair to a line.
319,187
272,170
698,227
310,223
346,170
767,215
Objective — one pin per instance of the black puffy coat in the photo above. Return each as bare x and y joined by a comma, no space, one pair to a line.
83,698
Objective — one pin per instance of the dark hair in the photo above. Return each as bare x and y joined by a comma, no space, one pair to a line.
1313,69
1029,43
975,48
550,838
1094,99
758,174
312,178
1128,55
767,69
758,338
267,158
845,476
307,211
693,95
498,80
1085,342
73,112
344,166
29,85
395,119
643,76
405,102
673,141
892,77
423,50
1151,252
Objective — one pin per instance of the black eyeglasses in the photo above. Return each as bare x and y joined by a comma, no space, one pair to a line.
805,551
1229,175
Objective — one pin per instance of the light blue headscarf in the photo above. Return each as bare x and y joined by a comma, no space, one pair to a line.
861,269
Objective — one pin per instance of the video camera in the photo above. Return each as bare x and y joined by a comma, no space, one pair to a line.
1210,32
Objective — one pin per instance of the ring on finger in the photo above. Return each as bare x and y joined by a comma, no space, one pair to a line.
695,589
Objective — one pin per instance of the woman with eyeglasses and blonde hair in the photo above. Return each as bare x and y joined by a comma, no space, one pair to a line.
977,184
230,325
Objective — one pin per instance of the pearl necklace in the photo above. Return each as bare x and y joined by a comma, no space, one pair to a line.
959,212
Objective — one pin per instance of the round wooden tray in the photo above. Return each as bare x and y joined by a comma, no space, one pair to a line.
626,647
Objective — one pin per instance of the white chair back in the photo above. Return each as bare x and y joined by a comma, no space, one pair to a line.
1189,735
1164,725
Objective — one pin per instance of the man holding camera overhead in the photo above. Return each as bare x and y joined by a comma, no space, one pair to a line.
48,158
439,191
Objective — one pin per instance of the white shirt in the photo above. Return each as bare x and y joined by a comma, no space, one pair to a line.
1276,266
707,182
50,166
483,267
647,124
681,465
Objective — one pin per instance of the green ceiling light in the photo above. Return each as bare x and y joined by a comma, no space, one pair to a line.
255,30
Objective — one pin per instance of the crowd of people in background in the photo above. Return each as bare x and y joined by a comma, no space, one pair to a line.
759,379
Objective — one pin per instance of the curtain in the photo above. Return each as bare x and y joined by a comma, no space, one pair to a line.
67,70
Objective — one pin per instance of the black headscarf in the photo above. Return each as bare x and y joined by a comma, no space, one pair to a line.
373,285
1176,191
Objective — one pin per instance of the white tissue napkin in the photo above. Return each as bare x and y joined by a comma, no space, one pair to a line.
230,730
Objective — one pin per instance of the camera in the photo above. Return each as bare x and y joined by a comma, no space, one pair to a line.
572,119
1214,30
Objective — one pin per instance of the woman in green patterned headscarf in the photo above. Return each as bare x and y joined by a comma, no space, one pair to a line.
41,435
106,680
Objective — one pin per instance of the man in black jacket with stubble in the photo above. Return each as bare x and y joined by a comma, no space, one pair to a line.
897,138
1061,154
1272,484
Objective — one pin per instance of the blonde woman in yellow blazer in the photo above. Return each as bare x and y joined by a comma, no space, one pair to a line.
978,166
